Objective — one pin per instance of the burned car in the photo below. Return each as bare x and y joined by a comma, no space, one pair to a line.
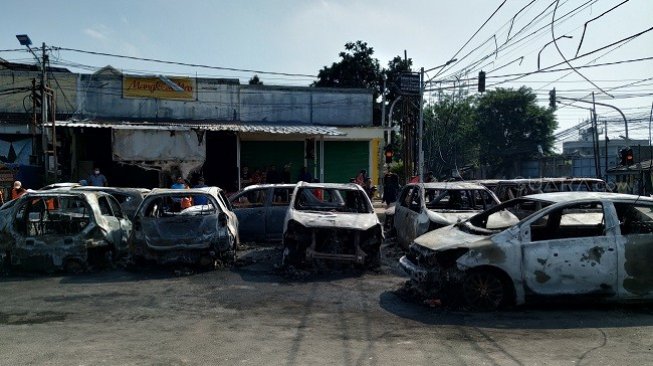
261,211
332,222
185,226
423,207
128,198
565,245
55,230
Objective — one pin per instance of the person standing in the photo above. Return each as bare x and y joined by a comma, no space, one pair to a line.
17,191
273,176
176,202
390,187
200,199
97,179
361,177
304,175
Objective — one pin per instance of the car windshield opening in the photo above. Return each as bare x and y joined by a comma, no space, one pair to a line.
332,199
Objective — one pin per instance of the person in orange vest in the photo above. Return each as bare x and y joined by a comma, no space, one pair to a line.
18,190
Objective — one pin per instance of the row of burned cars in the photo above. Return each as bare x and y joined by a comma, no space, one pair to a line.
71,228
482,244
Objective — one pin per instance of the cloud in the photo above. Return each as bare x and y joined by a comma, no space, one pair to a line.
99,32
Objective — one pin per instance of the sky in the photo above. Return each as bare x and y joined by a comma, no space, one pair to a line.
299,37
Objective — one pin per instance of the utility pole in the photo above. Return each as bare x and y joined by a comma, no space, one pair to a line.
44,111
420,137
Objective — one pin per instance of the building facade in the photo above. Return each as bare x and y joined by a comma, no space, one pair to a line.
141,130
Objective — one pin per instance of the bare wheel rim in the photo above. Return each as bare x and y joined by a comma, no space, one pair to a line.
483,290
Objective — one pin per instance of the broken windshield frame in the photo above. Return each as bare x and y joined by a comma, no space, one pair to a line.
332,199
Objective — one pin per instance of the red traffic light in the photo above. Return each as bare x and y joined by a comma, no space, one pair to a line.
389,153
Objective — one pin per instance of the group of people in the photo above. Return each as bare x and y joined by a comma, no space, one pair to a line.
186,202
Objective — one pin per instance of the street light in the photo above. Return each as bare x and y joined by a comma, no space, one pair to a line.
24,40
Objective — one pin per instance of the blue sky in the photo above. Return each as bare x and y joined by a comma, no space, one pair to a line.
300,37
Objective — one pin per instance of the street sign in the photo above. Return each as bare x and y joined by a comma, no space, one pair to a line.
409,83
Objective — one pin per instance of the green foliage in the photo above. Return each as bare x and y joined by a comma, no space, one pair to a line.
451,137
356,69
255,80
511,126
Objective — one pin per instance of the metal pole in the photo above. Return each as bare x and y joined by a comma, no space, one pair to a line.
420,153
44,113
238,161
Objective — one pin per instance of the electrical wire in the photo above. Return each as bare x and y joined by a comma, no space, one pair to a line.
182,63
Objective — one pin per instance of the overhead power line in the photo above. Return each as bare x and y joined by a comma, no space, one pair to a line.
182,63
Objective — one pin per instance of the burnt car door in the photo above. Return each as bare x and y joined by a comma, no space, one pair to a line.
570,250
276,212
407,214
114,224
125,225
635,246
250,207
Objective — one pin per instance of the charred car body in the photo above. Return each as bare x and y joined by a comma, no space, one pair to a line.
423,207
546,246
128,198
166,231
261,211
333,222
57,230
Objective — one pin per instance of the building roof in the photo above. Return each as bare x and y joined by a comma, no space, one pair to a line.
252,127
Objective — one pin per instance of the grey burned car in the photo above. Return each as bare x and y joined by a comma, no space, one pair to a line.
57,230
261,211
571,245
203,234
333,222
423,207
128,198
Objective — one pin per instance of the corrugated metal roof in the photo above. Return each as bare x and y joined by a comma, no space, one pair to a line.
251,127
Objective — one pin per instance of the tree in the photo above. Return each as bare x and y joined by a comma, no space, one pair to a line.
255,80
450,135
511,126
356,69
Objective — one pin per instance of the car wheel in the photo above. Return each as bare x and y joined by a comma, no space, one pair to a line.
483,290
73,266
373,259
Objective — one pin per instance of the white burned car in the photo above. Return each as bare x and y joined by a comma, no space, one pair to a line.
189,226
334,222
54,230
423,207
579,245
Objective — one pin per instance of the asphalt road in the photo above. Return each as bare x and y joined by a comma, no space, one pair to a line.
254,315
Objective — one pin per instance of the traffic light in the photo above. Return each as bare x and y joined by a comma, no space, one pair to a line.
481,81
552,98
626,156
389,153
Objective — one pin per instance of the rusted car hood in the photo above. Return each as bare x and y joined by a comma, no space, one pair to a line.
449,237
180,231
339,220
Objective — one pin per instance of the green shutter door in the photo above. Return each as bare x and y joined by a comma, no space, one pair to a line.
344,159
261,154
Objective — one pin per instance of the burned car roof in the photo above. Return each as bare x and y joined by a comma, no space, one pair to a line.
567,196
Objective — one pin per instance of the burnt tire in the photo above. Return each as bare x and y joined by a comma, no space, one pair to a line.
485,290
292,256
373,259
74,266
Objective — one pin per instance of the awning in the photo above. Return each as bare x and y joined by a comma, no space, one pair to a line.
250,127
